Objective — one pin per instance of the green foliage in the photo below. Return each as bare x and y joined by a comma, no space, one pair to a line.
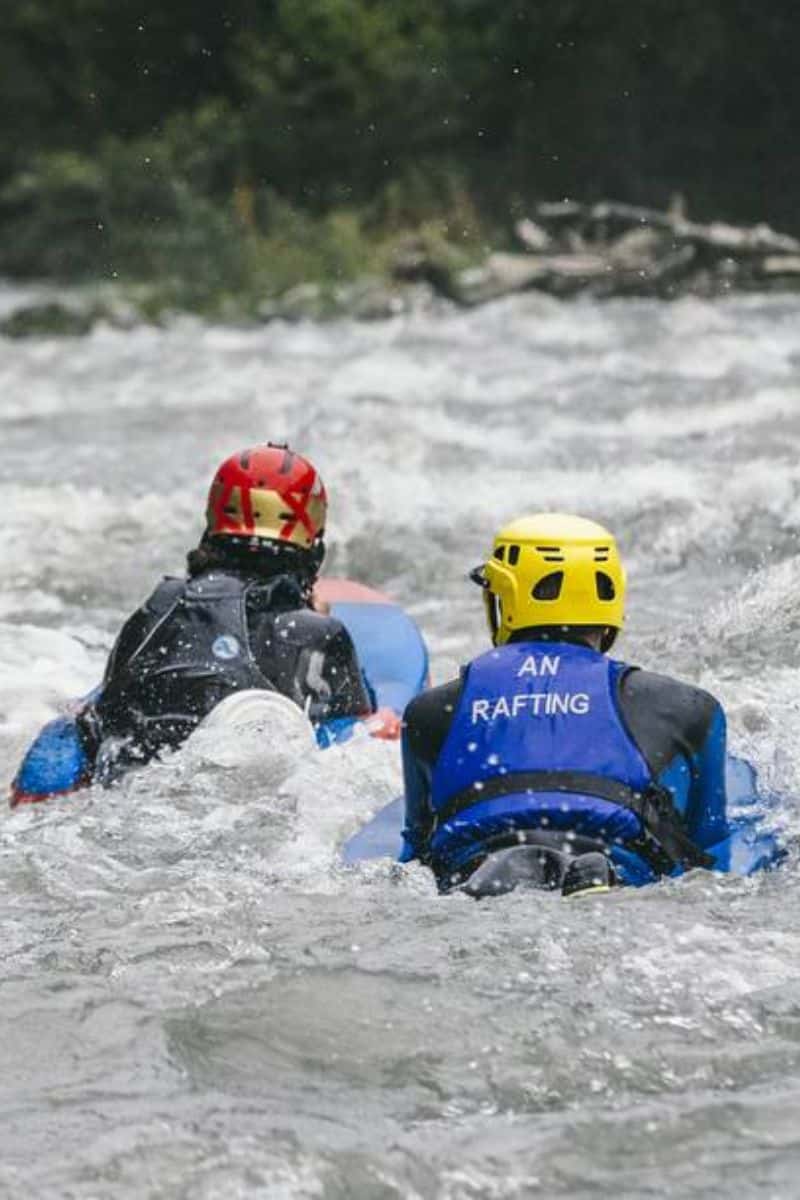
124,213
298,248
233,149
341,93
52,216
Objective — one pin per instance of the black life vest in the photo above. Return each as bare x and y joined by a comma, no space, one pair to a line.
195,655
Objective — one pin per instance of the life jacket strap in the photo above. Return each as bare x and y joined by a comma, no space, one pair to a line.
665,843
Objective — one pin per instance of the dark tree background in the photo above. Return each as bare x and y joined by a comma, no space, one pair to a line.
129,114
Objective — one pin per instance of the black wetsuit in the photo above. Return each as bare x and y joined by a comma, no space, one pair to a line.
678,729
196,641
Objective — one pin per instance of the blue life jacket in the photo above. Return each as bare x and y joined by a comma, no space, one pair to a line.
537,742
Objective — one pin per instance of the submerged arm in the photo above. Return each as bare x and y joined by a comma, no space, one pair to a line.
418,814
706,813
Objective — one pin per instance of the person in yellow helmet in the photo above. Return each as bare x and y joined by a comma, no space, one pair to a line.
547,763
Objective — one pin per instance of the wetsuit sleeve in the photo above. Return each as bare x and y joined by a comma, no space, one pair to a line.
680,730
706,811
418,814
312,659
426,724
333,679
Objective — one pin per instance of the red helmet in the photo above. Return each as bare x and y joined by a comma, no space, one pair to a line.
268,492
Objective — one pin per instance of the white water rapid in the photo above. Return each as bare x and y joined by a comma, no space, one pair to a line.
198,1000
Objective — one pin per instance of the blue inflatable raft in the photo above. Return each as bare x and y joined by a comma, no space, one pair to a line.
747,848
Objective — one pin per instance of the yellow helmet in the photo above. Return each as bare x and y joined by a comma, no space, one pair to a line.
552,569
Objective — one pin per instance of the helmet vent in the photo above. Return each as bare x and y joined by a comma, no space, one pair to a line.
513,555
551,553
549,587
605,586
601,553
500,553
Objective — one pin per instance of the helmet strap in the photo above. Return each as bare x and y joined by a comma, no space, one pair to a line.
610,635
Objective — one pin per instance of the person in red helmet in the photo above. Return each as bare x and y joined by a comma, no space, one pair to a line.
244,617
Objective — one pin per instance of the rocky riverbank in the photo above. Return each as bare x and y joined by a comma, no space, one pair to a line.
609,249
563,248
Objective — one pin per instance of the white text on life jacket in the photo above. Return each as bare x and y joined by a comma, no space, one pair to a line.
533,704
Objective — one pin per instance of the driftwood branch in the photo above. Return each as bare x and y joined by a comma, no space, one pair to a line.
610,249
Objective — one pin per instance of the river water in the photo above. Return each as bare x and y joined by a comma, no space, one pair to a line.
198,1000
